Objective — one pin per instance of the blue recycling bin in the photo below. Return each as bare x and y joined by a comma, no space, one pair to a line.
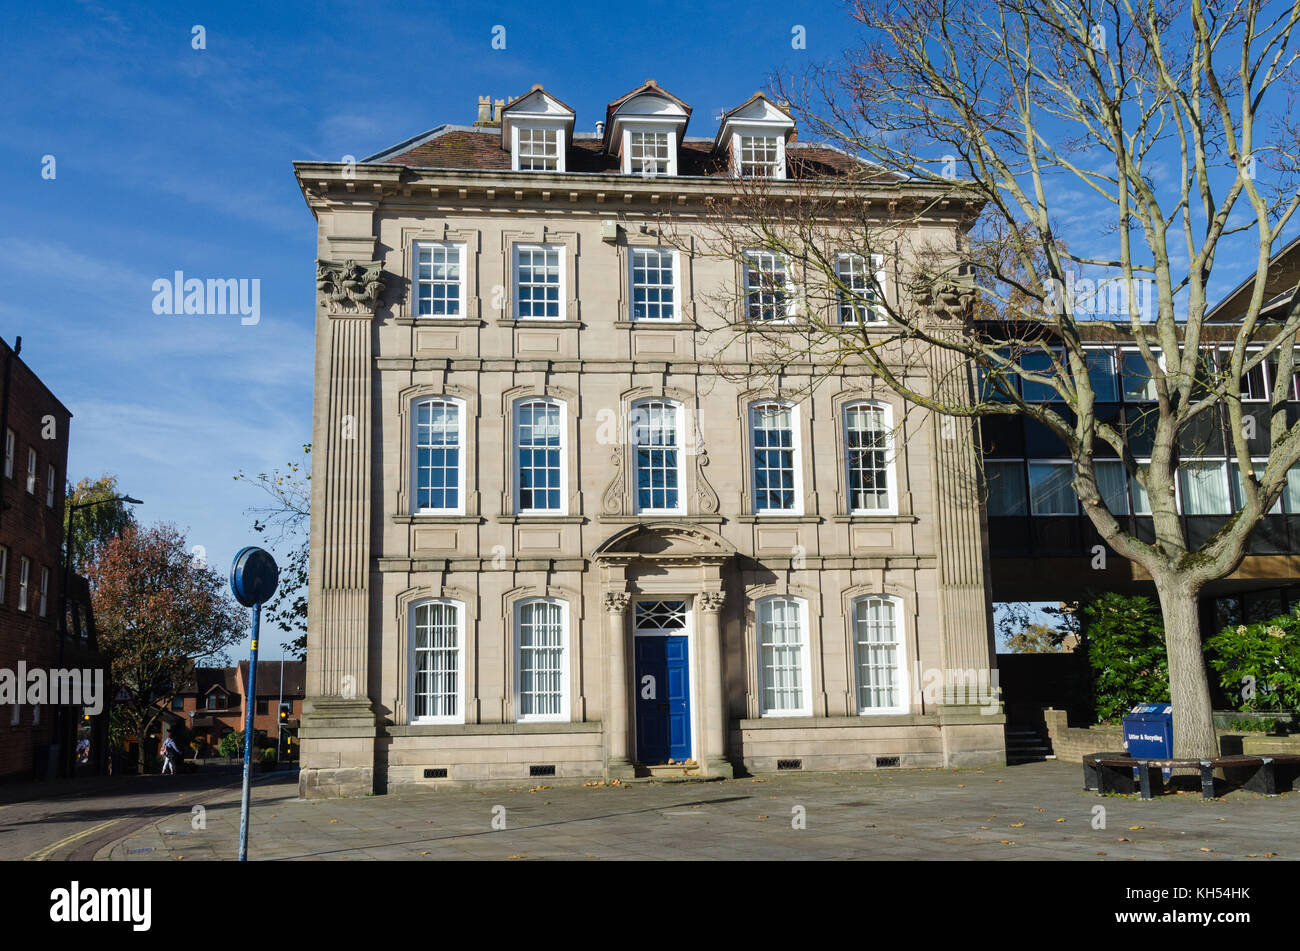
1149,732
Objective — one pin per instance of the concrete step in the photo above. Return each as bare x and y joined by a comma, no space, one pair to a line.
667,770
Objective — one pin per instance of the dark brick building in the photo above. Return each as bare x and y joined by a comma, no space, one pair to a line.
39,740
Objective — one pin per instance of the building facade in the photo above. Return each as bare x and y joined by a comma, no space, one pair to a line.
40,740
213,703
559,530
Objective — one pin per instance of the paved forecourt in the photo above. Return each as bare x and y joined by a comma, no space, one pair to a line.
1036,811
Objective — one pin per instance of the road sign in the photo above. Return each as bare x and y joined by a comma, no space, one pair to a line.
123,694
253,576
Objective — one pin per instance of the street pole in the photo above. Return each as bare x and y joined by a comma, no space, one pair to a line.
249,700
279,720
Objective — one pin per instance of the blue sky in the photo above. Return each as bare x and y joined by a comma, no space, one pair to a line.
170,158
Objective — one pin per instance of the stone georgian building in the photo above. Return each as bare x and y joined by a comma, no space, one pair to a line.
550,537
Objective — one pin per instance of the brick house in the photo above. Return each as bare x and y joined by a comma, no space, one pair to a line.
41,740
212,704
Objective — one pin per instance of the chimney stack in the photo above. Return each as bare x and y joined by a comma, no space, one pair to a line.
484,110
496,113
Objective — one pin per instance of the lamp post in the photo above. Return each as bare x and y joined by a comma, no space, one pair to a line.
73,508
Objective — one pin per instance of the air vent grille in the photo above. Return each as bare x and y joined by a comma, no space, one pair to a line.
885,761
541,770
789,764
439,772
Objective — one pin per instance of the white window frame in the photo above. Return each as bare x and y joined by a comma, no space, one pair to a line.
24,581
1122,363
805,658
562,450
891,481
1128,503
900,645
11,450
1234,477
459,715
1134,487
563,715
31,471
786,308
675,286
1023,473
777,167
562,285
874,311
516,157
796,440
417,282
680,446
43,592
1227,485
1109,354
49,486
667,131
1029,487
461,412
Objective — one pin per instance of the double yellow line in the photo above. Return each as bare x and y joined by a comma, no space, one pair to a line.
41,855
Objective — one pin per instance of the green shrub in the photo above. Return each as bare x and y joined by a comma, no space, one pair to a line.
1125,639
1259,664
232,744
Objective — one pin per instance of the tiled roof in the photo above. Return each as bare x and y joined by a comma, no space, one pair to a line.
463,147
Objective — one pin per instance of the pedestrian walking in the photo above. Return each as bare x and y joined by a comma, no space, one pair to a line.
171,753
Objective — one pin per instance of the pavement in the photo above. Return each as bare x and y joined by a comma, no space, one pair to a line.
1030,812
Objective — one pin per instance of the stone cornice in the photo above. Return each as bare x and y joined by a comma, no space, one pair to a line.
323,183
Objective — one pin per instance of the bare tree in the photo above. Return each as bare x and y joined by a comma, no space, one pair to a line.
984,128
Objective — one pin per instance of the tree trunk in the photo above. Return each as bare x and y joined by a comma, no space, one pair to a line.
1189,687
139,752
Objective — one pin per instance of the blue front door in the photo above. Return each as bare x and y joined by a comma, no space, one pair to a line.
663,704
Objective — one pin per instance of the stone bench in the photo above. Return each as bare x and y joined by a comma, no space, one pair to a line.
1121,773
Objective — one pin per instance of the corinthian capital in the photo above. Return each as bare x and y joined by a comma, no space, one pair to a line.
711,600
350,287
616,602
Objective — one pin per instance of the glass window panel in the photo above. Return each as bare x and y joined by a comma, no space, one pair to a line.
1041,364
541,659
540,457
1240,489
867,448
772,434
437,455
656,456
436,664
1204,487
537,282
1138,385
1050,488
653,285
766,290
1101,376
879,655
1006,487
1112,486
781,655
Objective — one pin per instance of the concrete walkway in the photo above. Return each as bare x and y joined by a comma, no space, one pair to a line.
1037,811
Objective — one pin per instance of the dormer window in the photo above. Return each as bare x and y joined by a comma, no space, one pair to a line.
644,128
538,150
752,138
649,153
536,129
761,156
